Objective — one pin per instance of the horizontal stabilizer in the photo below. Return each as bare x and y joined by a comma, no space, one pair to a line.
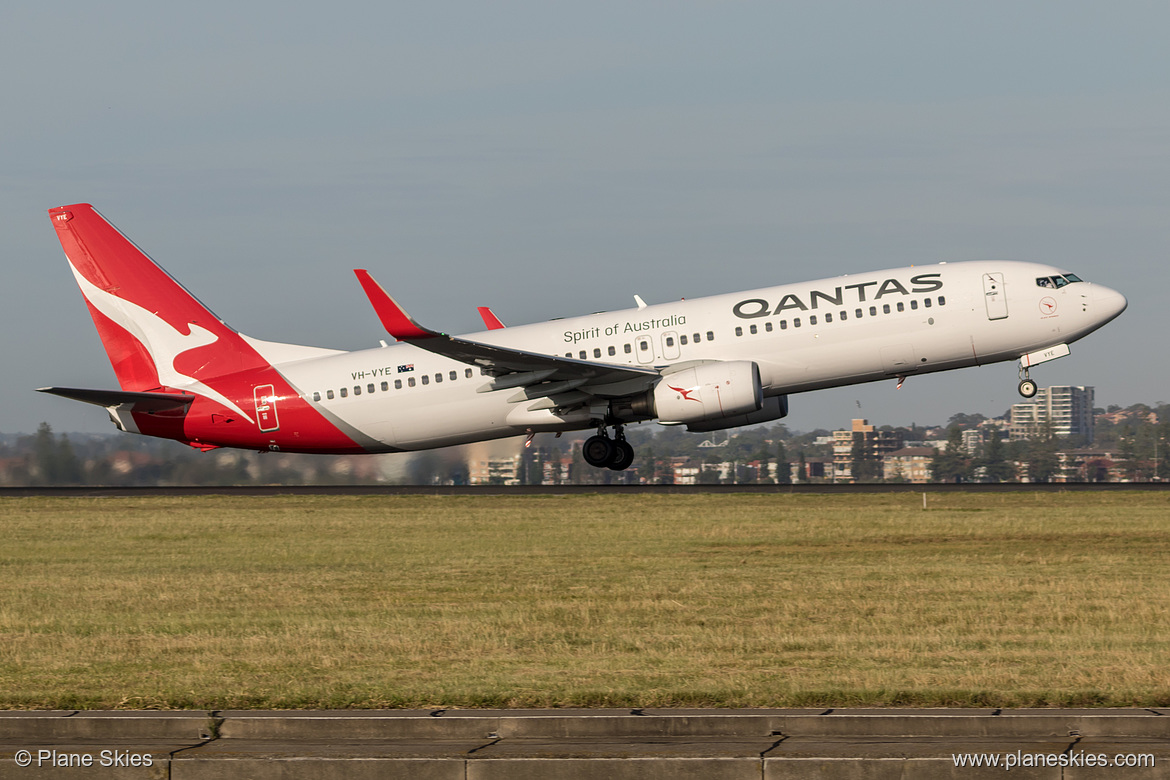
138,402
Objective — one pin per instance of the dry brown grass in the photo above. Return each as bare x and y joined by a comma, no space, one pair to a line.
1008,600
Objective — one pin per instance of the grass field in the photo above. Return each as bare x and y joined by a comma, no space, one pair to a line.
1014,599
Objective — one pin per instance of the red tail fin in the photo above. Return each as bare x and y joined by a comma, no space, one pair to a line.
155,332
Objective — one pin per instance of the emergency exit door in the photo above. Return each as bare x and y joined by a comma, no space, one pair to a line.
994,296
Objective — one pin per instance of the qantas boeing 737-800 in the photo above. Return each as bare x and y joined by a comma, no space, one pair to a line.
706,363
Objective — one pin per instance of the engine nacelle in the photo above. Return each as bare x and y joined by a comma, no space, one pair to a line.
711,391
774,408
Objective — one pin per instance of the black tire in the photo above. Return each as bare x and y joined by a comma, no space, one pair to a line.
1028,388
623,456
598,451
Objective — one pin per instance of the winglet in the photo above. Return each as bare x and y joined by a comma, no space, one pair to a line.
396,321
489,319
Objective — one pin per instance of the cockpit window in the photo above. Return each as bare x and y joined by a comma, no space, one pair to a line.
1057,281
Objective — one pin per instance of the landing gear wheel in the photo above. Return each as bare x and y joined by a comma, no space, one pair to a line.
598,451
1028,388
623,455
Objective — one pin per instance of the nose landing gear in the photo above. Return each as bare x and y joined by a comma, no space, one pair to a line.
1027,387
601,451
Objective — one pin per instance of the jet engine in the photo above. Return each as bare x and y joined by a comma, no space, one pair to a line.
774,408
708,393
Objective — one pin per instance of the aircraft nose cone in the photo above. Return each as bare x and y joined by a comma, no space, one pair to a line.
1108,303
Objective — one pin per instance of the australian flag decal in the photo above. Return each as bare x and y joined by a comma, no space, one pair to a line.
405,368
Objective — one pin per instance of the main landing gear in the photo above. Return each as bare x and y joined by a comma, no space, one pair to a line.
603,452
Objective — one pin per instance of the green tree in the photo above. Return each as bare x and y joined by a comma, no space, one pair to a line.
45,454
783,467
866,465
1043,462
951,464
994,460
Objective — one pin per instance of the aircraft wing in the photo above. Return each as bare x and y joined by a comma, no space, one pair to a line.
511,367
138,402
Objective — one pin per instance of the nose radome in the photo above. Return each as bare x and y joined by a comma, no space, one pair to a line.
1107,302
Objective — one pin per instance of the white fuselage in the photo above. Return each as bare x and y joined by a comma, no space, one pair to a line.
806,336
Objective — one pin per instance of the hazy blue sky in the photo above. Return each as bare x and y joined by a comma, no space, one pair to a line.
553,159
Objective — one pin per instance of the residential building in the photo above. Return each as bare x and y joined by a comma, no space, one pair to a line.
494,471
874,445
909,463
1068,410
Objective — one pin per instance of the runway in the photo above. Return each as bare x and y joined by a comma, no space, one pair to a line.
587,744
554,490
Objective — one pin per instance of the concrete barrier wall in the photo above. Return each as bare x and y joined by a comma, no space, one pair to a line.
613,745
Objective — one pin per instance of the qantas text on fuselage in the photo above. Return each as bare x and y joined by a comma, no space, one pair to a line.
707,363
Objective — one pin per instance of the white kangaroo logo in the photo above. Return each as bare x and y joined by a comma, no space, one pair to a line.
158,337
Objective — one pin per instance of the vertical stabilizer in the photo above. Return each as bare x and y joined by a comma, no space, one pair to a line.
155,332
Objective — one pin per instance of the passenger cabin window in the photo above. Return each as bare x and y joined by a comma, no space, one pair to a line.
397,384
467,373
682,340
316,396
754,330
438,377
370,387
385,386
453,375
344,394
942,300
426,380
410,381
885,308
357,389
767,327
828,318
329,394
710,336
812,320
627,348
796,322
738,331
611,351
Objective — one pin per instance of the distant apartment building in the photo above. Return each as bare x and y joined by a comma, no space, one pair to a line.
909,463
1067,409
494,471
874,444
